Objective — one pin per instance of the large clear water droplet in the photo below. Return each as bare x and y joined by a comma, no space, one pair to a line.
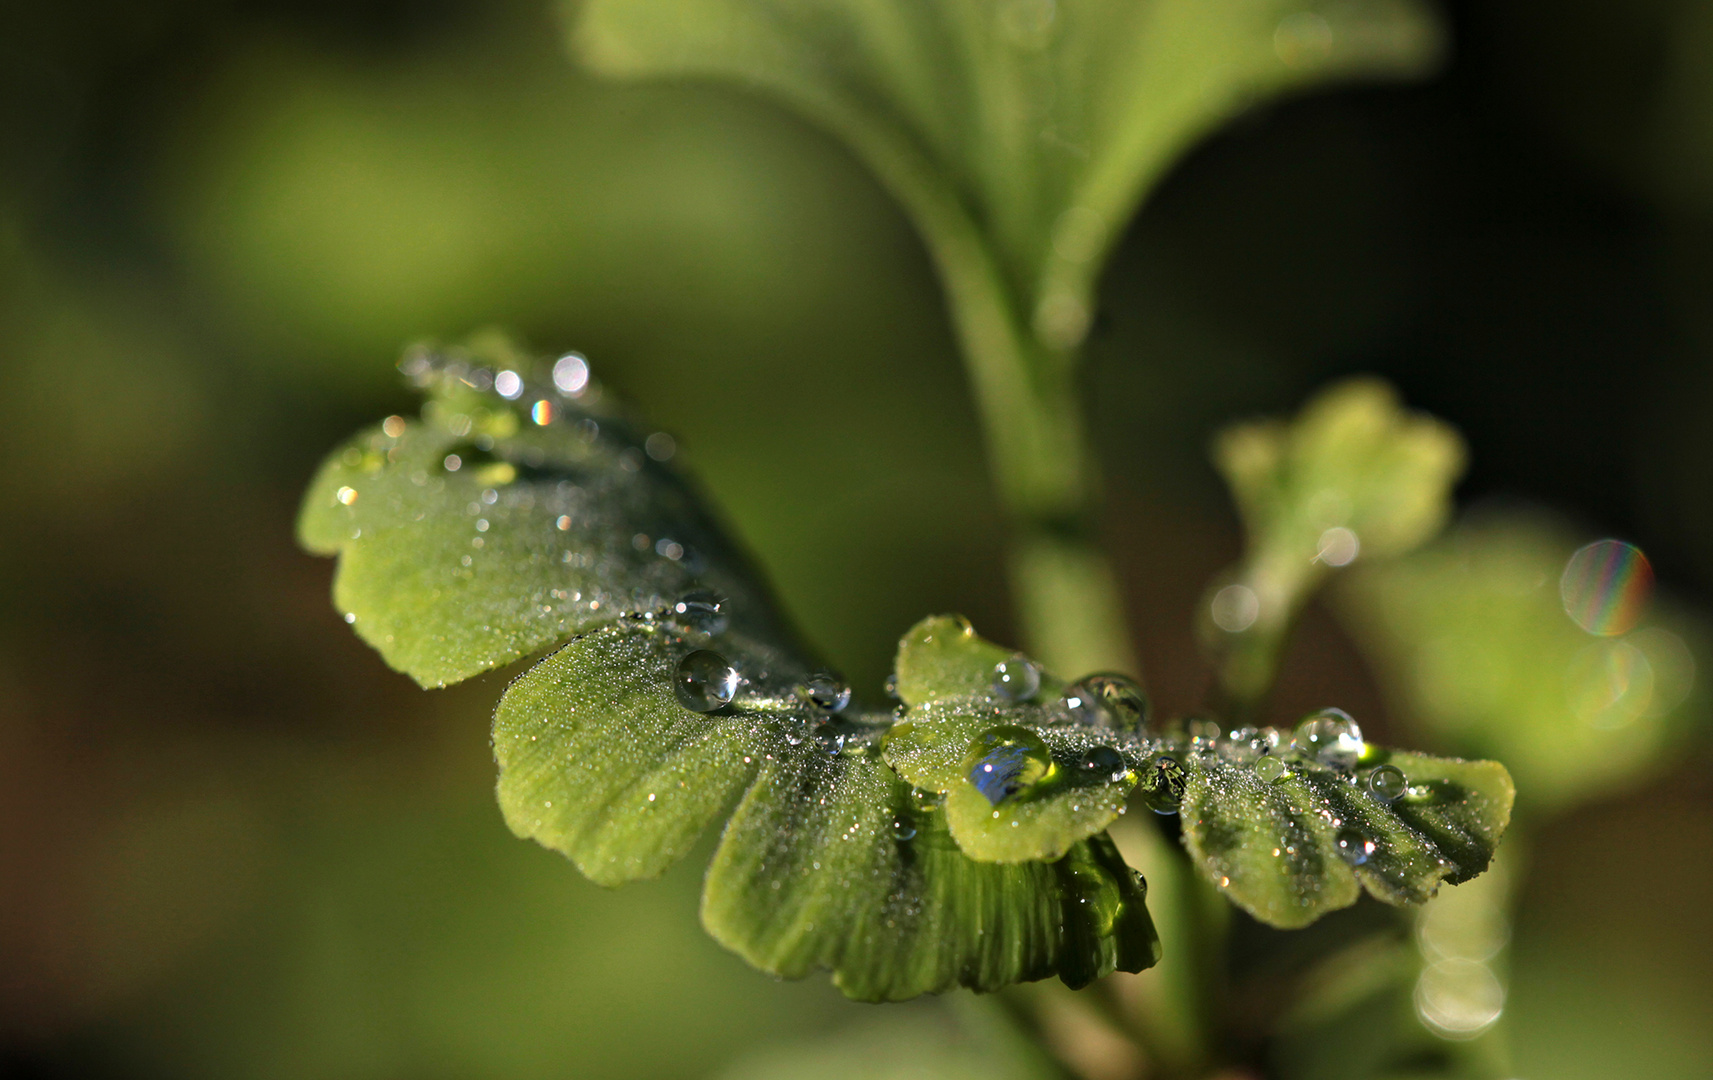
1107,700
832,740
827,692
1006,760
1388,783
1163,781
903,829
1016,679
1330,737
1269,769
703,611
1354,848
1103,763
705,681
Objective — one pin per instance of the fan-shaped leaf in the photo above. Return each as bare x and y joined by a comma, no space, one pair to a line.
1019,133
1288,829
829,861
500,524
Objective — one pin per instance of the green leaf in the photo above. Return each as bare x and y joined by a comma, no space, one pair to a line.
1292,849
829,859
1353,475
1286,827
497,526
1034,125
942,657
1019,135
1477,653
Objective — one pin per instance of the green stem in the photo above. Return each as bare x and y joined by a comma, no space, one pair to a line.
1065,591
1026,394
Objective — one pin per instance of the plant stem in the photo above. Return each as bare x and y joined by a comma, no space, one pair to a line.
1065,591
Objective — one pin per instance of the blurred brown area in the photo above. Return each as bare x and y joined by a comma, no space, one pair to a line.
233,844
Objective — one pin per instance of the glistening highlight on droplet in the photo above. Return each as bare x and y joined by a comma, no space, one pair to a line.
1605,587
1006,760
705,681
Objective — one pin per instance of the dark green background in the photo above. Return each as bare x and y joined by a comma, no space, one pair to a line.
233,844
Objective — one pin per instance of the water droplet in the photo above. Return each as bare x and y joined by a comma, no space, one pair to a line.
925,801
541,413
1331,738
346,495
1353,847
393,426
1163,781
1016,679
453,463
705,681
702,611
571,374
1270,769
832,740
903,830
1107,700
1104,763
827,692
508,384
1605,587
891,686
1005,760
1388,783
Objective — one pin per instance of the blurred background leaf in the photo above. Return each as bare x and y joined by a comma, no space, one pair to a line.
233,844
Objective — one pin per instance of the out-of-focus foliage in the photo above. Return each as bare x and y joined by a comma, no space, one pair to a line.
1472,637
1353,475
1019,136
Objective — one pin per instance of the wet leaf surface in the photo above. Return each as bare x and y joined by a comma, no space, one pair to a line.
1288,827
829,859
494,527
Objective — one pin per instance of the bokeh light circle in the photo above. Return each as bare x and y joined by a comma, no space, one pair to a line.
1606,586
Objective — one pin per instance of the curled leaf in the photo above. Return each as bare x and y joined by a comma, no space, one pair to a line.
1288,825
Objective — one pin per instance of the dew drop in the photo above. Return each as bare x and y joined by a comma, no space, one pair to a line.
1107,700
1006,760
1016,679
703,611
508,384
1104,763
1163,781
1388,783
1353,847
891,686
832,740
705,681
1331,738
902,830
1269,769
827,692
